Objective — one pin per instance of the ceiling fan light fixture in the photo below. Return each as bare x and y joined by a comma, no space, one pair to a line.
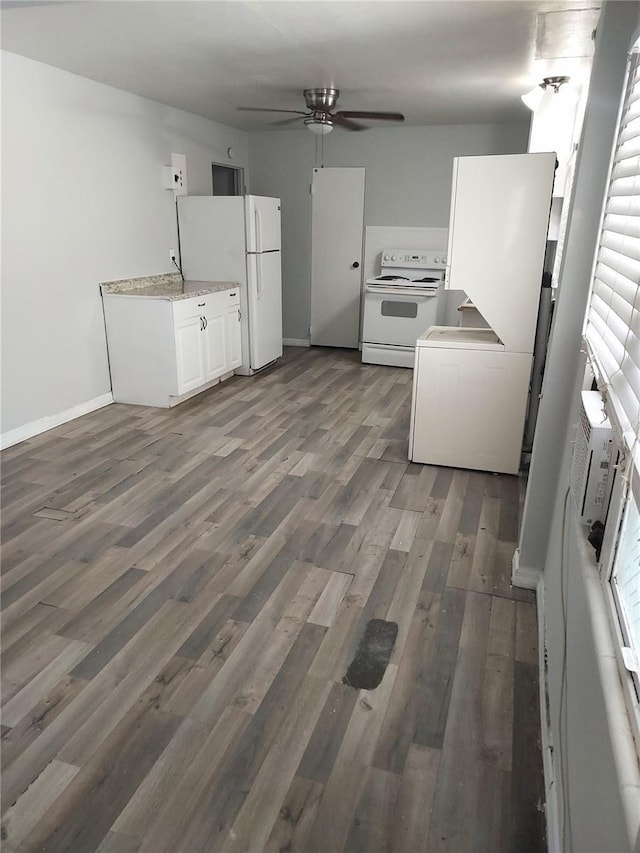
319,127
533,98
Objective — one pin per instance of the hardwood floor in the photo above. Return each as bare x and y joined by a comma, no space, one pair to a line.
183,592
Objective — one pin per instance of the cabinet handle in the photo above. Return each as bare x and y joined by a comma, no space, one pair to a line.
232,294
239,315
206,322
201,324
201,304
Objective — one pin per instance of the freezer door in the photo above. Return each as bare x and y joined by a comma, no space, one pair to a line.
212,244
262,218
265,308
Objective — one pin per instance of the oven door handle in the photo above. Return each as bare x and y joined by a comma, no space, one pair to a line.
402,291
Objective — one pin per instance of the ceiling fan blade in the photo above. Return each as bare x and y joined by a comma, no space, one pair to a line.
286,120
381,116
269,110
340,121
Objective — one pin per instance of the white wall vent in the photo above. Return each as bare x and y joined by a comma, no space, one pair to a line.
591,462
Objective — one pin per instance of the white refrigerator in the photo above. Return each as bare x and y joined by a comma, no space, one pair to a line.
237,238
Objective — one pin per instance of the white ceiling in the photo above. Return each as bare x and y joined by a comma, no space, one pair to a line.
456,61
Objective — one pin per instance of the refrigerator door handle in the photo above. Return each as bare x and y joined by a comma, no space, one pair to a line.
258,278
258,230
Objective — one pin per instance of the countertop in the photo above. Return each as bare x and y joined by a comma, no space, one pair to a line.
168,286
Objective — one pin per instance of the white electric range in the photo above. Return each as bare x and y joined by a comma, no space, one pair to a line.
400,304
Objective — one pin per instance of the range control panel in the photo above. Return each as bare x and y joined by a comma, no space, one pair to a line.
413,258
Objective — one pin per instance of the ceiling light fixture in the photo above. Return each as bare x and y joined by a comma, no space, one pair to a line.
533,98
319,126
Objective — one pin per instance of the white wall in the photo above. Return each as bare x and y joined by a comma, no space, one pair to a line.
592,748
407,183
585,760
82,202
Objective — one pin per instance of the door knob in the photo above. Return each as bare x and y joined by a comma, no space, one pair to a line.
355,265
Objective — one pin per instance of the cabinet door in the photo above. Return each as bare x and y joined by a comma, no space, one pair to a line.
498,225
233,337
189,354
214,346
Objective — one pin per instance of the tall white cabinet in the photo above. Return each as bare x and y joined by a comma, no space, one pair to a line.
471,386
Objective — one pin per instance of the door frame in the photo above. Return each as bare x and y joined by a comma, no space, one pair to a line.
238,178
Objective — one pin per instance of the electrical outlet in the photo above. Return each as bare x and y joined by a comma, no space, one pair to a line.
172,256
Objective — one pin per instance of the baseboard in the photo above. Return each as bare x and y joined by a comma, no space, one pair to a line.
22,433
529,578
522,576
296,342
552,810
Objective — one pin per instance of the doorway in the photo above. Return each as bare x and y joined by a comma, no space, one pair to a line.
227,180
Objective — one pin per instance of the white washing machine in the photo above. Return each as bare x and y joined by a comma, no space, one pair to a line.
469,400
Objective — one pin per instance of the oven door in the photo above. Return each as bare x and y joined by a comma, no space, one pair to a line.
398,316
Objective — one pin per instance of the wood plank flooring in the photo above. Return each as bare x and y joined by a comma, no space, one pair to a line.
183,591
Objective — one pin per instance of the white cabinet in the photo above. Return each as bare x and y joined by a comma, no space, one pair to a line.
189,362
233,338
162,350
214,345
500,207
471,385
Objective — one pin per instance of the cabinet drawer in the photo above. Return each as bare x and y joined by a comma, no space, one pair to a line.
209,303
226,299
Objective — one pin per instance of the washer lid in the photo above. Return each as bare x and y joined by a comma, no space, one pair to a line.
454,337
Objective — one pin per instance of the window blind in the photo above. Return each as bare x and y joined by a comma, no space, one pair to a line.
612,329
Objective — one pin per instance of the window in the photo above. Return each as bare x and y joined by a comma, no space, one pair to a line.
612,338
626,583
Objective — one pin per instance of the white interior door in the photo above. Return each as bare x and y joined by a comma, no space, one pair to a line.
336,256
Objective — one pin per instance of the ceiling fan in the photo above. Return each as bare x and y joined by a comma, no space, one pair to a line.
320,117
